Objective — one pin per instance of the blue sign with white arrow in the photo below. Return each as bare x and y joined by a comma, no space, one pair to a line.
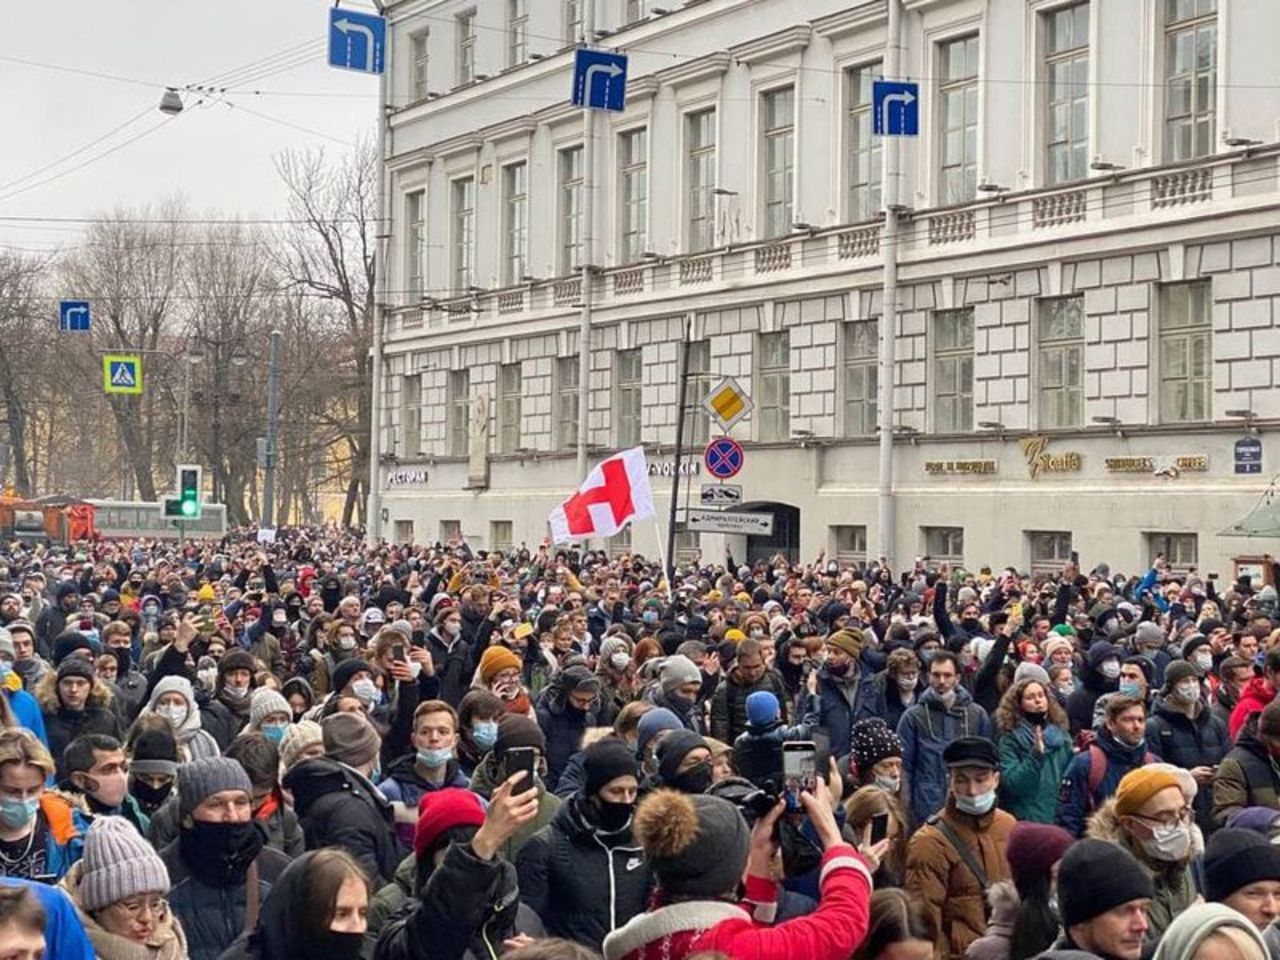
357,41
73,316
895,108
600,80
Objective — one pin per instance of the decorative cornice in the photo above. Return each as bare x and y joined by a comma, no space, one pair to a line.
704,68
846,22
510,129
467,143
642,88
775,45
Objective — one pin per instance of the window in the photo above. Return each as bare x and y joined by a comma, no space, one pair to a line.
515,201
459,411
633,192
697,424
570,209
500,536
1182,550
779,118
510,381
774,371
953,371
517,32
1186,354
851,543
635,10
414,248
1049,551
466,47
418,51
450,530
944,543
1060,362
573,20
861,348
620,542
700,135
688,545
864,146
567,402
628,372
404,531
464,240
411,414
958,116
1191,77
1066,111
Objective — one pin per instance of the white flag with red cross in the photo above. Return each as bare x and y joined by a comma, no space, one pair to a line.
614,493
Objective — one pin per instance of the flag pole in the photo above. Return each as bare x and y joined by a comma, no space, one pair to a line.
675,474
662,558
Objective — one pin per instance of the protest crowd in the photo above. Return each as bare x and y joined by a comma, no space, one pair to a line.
317,748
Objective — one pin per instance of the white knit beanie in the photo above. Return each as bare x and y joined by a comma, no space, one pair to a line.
264,703
117,864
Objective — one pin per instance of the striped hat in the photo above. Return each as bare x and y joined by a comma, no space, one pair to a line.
117,864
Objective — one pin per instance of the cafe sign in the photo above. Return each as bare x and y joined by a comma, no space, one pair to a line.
1041,461
959,467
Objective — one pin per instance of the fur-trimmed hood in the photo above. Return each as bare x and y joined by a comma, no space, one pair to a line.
677,920
46,693
1105,825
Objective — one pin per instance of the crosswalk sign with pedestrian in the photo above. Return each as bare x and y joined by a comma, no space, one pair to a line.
122,373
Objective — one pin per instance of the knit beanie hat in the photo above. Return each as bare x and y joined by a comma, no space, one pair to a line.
1034,848
1263,820
155,752
517,731
578,679
299,736
1031,671
1096,876
349,738
1054,644
443,810
1148,633
265,702
496,659
1140,785
762,708
1235,858
346,670
203,778
1191,643
118,863
69,642
1176,672
871,741
1194,925
6,644
1062,630
606,760
77,667
676,671
848,641
697,845
236,660
611,645
654,722
674,747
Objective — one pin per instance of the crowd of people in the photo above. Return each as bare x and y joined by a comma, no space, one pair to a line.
318,748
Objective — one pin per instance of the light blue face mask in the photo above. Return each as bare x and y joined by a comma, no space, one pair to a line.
485,734
1130,688
976,806
16,813
274,731
6,668
435,757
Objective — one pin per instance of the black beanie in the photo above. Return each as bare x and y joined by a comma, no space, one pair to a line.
517,731
696,844
347,669
605,760
672,749
1096,876
1235,858
155,752
69,642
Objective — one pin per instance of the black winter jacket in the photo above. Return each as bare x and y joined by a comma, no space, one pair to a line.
454,664
729,703
1203,742
222,722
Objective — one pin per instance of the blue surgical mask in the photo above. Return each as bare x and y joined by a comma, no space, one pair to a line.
485,733
274,731
977,806
650,617
16,813
435,757
1130,688
6,668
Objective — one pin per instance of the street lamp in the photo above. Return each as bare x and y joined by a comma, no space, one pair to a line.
170,102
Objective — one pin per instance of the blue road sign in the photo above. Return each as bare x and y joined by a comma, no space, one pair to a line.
895,108
73,316
600,80
723,457
357,41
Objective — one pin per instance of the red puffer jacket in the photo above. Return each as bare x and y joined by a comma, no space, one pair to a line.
831,932
1257,693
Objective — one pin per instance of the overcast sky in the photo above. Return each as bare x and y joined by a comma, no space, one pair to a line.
218,157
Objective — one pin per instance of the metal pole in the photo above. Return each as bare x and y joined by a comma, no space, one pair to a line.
588,256
184,439
889,308
675,473
273,416
373,502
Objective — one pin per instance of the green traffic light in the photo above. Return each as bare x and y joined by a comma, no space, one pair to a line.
188,508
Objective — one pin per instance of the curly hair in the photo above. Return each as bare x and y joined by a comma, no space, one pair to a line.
1009,713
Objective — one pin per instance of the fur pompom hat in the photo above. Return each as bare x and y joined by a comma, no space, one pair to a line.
697,844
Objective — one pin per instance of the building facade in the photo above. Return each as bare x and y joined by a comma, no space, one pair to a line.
1088,301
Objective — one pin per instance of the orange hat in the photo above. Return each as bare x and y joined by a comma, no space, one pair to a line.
496,659
1139,786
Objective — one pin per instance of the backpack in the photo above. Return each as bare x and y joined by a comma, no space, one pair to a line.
1098,771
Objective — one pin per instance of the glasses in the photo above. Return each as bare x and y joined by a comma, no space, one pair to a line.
1173,818
137,906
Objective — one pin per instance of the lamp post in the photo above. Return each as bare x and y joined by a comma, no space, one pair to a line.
273,414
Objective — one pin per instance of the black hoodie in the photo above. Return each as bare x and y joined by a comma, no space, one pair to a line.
280,933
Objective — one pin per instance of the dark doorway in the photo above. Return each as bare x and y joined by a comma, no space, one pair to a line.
786,532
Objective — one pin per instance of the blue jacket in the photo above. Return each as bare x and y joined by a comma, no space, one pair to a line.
1074,802
925,731
843,705
64,934
27,712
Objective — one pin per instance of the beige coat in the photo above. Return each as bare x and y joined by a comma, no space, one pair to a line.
168,942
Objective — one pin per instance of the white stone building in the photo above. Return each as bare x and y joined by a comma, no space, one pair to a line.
1089,274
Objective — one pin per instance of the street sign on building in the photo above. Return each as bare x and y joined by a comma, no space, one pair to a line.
721,495
600,80
727,403
73,316
731,522
1248,455
357,41
122,373
723,457
895,108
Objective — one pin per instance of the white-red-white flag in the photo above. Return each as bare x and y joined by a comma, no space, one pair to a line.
614,493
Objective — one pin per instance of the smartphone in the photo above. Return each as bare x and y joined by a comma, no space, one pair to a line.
799,768
397,652
1075,559
879,827
521,760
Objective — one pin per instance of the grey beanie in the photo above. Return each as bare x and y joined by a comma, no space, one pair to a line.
677,671
349,738
201,779
299,736
265,702
1031,671
117,864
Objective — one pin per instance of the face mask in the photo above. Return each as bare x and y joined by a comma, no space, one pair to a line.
756,634
235,692
346,643
1168,843
971,625
611,817
366,690
1066,689
839,669
274,731
219,854
6,668
334,945
18,813
619,661
149,797
681,705
1036,718
948,699
694,780
1187,692
485,734
907,684
434,757
174,714
1204,661
650,617
1110,669
108,791
892,784
977,806
1129,688
926,657
453,628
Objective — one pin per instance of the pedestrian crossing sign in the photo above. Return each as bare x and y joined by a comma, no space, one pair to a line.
122,373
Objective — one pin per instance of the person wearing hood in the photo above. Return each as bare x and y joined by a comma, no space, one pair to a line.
517,731
844,688
1095,773
1149,816
757,753
1104,894
564,711
1182,730
678,689
52,621
1210,930
588,849
118,887
24,707
227,713
750,674
1034,750
75,702
1024,921
617,677
300,696
174,699
261,761
1242,871
337,802
1257,693
1249,775
1101,675
945,712
220,866
432,766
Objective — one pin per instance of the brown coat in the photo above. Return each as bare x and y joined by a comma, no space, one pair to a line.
946,887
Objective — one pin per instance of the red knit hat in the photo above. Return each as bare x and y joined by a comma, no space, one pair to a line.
1034,848
443,810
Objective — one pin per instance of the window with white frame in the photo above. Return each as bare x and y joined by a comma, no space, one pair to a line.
450,530
1060,362
510,383
466,27
620,542
573,20
1186,352
415,244
688,544
404,531
1050,550
515,239
463,210
864,145
697,424
1066,109
633,193
628,373
517,32
953,371
944,544
773,374
1181,550
700,177
566,402
459,412
861,377
634,11
419,52
571,179
1191,78
850,543
778,126
958,118
500,536
411,414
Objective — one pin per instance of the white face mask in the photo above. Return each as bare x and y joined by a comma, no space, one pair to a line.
906,683
1168,843
365,690
1204,661
453,627
619,661
1110,669
174,714
976,806
1187,692
892,784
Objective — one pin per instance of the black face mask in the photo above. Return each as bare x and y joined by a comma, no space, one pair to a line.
694,780
971,625
333,945
681,705
608,816
219,854
149,798
1036,719
124,661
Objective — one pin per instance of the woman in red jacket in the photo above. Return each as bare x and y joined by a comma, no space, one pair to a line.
698,847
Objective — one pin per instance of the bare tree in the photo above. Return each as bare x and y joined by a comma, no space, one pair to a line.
22,350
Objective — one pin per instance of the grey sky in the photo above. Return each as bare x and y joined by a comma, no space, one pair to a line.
218,157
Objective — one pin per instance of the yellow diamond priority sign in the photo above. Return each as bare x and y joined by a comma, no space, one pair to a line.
727,403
